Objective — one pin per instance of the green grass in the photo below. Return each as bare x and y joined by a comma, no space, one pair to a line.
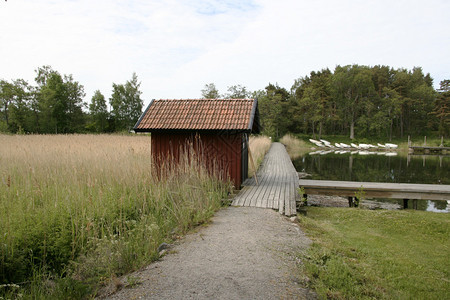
78,210
365,254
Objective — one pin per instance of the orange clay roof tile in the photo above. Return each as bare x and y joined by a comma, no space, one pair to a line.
199,114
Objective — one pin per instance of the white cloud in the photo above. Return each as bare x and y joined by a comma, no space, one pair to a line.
178,46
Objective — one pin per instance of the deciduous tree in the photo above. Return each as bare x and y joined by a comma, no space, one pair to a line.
210,91
237,92
126,103
98,112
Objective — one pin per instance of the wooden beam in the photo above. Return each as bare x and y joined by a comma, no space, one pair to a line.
377,189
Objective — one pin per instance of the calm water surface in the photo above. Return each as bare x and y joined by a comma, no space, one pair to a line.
377,167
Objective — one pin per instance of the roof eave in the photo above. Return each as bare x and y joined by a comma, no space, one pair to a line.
254,125
141,117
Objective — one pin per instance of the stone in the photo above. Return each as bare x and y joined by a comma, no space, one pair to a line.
163,246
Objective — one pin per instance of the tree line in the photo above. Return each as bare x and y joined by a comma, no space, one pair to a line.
353,100
55,105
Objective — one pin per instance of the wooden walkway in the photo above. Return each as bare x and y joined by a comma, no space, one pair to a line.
277,184
403,191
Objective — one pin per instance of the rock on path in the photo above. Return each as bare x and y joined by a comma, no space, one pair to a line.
244,253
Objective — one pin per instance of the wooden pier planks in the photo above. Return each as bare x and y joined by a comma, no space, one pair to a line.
377,189
278,183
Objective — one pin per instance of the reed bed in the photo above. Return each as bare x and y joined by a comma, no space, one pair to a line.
76,210
294,146
259,145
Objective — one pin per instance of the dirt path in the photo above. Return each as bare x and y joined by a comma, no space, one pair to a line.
244,253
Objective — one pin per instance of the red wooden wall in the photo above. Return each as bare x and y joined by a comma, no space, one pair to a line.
222,150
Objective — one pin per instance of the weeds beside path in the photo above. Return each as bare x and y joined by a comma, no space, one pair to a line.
244,253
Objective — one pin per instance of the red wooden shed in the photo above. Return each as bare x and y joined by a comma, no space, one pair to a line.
222,126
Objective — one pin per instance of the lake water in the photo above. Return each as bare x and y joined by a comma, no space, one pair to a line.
379,167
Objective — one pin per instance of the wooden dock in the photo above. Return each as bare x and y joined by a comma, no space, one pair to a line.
277,184
403,191
429,150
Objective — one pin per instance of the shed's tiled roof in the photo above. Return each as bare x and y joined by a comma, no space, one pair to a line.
200,114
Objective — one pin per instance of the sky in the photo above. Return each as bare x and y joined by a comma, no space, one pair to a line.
177,46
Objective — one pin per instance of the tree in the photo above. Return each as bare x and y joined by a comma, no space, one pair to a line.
6,96
316,99
60,102
390,109
126,103
210,91
237,92
442,108
272,106
74,93
21,120
353,86
98,112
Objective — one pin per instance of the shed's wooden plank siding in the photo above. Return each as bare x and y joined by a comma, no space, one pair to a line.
216,150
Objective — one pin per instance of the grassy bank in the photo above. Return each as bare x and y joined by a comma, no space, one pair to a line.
77,210
364,254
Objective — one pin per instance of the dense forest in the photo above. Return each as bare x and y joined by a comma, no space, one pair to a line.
358,101
353,100
56,105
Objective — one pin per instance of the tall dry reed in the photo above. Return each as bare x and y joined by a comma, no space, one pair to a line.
294,146
259,145
81,208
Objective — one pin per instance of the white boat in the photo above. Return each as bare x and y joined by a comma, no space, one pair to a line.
391,146
363,146
354,145
345,145
381,146
326,143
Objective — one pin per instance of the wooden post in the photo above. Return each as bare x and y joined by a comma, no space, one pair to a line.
409,141
425,141
350,202
405,203
442,141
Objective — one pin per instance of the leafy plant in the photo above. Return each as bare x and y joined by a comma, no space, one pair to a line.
359,196
303,199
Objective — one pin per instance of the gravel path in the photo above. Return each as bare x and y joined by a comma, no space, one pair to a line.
244,253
